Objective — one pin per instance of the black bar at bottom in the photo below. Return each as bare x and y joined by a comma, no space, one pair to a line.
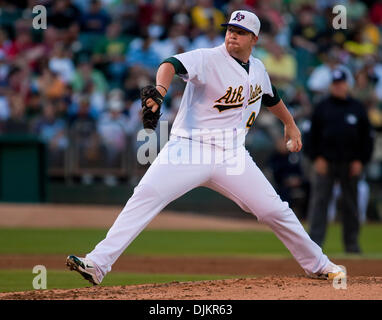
191,309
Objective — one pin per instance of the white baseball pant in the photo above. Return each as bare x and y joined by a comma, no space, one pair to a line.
171,175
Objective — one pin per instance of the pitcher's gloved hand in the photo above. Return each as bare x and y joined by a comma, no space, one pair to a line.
150,119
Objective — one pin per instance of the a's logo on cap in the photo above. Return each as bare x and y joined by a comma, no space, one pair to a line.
239,17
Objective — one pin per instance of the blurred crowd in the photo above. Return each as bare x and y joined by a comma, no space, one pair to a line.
76,84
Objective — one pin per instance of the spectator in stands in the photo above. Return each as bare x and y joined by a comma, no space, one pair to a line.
86,142
95,19
209,39
63,14
369,31
157,28
142,53
126,12
33,107
305,31
71,39
18,82
304,36
281,66
86,73
327,36
183,22
17,122
175,43
357,46
61,62
320,79
21,45
365,81
50,85
82,5
376,13
4,69
5,43
88,80
299,105
147,11
112,43
10,13
204,13
288,176
113,129
53,131
231,6
356,10
109,54
133,82
50,37
270,11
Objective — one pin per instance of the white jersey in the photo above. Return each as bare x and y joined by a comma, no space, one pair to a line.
220,96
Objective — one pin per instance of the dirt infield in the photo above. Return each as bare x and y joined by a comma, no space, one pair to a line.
266,288
364,281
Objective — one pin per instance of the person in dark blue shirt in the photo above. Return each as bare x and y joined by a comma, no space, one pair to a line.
96,19
339,143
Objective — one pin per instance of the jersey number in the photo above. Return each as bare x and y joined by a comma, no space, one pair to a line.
251,120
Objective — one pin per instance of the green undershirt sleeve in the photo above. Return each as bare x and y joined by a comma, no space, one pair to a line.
269,101
178,66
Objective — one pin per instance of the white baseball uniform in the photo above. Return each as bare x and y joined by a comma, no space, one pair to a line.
206,148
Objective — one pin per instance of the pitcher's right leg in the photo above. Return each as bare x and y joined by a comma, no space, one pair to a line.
163,182
139,210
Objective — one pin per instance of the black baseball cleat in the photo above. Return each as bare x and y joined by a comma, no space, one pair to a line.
353,250
85,267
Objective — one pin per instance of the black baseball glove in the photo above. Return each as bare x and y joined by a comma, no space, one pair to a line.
150,119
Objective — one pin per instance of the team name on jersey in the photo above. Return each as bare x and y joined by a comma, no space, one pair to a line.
231,99
254,94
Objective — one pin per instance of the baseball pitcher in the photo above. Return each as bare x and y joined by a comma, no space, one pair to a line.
225,89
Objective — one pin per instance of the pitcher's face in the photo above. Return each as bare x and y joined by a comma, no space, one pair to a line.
239,40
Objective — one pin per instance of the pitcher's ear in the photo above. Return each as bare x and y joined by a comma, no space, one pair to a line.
254,39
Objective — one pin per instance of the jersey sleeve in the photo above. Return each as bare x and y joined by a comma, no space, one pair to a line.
193,62
178,66
270,101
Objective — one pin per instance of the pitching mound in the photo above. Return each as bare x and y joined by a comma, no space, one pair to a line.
265,288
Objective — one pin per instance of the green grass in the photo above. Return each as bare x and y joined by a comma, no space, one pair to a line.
162,242
370,240
21,280
152,242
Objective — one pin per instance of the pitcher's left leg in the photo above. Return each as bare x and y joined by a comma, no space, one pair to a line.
250,189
